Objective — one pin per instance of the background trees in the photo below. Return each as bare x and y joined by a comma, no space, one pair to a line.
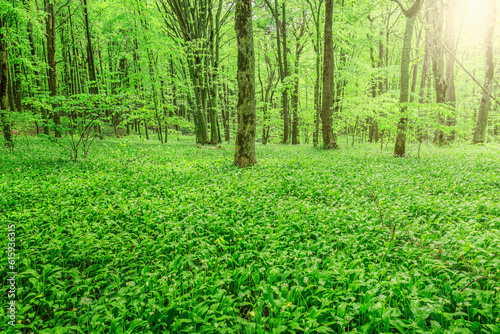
170,66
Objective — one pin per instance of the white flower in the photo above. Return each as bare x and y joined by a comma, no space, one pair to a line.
85,301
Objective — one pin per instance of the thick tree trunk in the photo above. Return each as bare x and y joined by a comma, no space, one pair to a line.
4,94
411,15
245,140
485,106
328,80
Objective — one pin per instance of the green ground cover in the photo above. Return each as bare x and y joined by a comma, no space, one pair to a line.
142,238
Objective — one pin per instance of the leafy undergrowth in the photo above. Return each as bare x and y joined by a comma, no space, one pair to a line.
142,238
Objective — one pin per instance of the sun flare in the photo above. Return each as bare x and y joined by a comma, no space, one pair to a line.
475,15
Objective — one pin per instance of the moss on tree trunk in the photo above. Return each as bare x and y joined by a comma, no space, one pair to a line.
245,139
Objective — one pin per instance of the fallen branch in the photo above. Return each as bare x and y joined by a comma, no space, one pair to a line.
211,148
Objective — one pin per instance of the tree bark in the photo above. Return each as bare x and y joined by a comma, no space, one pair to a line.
90,54
485,106
450,96
214,133
317,49
245,140
4,94
286,114
266,117
411,15
295,95
328,80
438,68
50,24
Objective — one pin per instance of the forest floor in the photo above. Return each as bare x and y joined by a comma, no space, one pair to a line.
145,238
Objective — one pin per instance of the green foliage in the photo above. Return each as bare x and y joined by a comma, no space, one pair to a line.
142,238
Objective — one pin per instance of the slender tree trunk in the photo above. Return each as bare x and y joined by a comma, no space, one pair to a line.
282,71
440,85
286,115
90,54
266,117
450,65
50,23
214,133
295,94
36,74
245,140
227,130
328,80
16,83
316,13
295,110
411,15
485,106
377,89
4,94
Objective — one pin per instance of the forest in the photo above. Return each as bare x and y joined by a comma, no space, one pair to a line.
249,166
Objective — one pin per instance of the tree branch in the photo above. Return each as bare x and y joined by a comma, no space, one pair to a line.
472,77
400,5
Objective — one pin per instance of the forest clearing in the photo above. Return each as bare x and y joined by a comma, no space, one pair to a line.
249,166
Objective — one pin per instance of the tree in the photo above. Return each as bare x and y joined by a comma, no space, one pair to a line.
245,139
450,64
315,12
190,21
282,62
50,24
485,106
4,96
411,15
328,80
299,46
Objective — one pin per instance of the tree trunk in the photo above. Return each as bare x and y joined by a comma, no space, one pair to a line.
225,112
266,117
411,15
295,94
4,94
50,22
286,114
90,54
485,106
328,80
440,85
146,129
295,108
214,133
317,49
450,65
245,140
